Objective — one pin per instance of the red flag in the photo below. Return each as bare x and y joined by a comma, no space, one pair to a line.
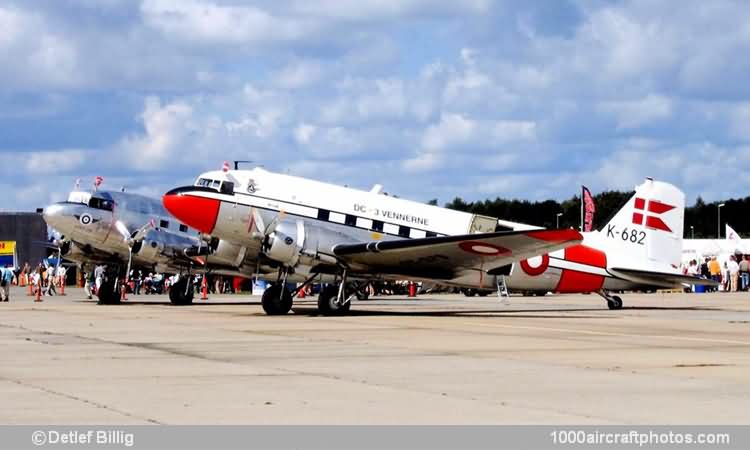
98,181
588,209
225,167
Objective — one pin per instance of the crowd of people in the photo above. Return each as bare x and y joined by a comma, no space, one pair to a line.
733,275
44,279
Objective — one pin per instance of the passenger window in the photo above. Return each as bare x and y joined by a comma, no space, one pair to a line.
324,214
164,224
377,226
350,220
403,231
431,234
183,228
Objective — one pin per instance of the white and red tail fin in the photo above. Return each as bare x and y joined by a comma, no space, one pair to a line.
647,231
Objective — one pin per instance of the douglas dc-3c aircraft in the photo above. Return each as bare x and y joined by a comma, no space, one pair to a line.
122,229
639,249
304,228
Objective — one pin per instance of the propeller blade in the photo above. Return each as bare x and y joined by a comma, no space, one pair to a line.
257,225
123,230
274,223
140,234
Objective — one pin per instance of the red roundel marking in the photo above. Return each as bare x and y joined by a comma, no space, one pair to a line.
538,270
483,249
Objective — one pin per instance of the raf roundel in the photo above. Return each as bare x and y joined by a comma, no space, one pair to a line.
85,219
535,266
483,249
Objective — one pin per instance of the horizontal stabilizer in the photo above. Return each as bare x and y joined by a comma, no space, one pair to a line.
660,278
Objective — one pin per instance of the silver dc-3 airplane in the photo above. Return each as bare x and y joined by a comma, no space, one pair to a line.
122,229
306,229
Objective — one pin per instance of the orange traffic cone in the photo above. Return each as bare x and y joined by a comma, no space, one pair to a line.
204,288
62,285
301,293
412,289
38,292
31,289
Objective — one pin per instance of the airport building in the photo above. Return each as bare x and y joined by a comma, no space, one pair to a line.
20,234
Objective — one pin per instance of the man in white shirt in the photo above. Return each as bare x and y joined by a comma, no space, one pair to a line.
734,272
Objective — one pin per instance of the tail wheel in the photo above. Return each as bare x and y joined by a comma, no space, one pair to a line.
327,304
615,302
276,300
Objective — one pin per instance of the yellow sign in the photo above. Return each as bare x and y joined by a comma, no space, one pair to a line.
7,247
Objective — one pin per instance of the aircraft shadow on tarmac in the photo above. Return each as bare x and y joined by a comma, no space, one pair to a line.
361,311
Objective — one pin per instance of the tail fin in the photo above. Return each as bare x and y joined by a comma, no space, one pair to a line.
647,231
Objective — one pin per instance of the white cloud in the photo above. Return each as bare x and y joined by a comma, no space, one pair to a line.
207,22
166,128
639,112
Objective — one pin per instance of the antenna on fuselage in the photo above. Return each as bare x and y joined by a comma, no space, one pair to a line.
237,164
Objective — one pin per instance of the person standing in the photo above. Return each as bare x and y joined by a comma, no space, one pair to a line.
714,269
734,272
89,284
6,278
744,273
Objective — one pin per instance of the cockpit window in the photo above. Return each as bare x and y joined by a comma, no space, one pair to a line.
227,188
101,203
203,182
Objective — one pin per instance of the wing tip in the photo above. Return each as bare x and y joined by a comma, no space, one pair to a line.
564,235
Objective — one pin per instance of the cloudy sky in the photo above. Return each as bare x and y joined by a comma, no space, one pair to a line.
433,99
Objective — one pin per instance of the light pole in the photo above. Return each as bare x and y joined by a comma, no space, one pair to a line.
692,232
557,220
718,220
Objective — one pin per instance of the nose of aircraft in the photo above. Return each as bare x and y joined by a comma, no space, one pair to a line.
53,214
194,211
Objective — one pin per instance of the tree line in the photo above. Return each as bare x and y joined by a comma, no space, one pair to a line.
700,218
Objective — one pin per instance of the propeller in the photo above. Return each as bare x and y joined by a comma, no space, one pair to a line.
258,228
132,238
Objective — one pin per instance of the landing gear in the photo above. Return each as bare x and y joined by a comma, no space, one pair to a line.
108,293
613,301
277,300
182,293
329,304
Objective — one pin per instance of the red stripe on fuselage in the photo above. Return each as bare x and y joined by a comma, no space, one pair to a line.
575,281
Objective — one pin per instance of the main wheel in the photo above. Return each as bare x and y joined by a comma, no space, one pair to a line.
327,305
615,303
178,294
276,300
107,294
470,292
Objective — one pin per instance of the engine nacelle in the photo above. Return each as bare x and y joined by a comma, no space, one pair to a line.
149,249
229,254
286,243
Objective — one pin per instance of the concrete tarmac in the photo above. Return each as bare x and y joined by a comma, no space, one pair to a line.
441,359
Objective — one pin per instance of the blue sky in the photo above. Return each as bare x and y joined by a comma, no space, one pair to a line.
432,99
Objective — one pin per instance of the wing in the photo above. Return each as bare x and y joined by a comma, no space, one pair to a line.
660,278
442,258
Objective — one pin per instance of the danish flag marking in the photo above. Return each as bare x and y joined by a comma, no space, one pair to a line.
656,208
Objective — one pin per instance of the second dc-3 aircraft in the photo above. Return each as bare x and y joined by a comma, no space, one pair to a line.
304,229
